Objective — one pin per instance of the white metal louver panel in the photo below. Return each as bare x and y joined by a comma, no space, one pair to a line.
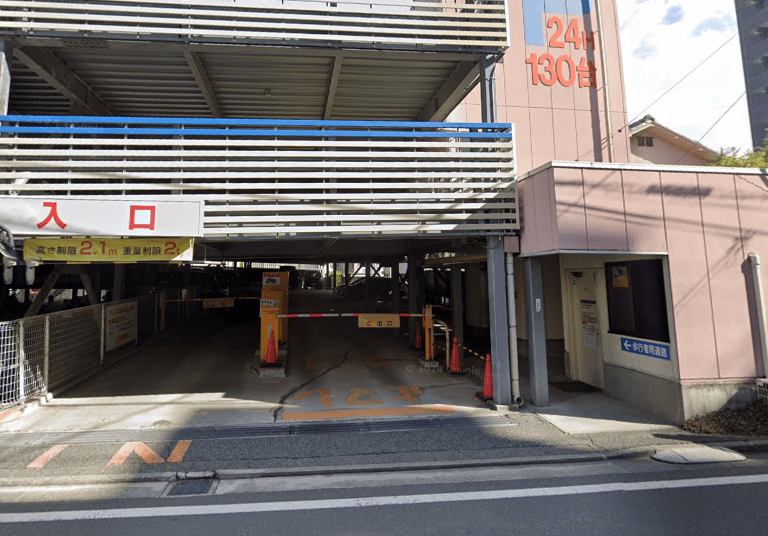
276,178
400,24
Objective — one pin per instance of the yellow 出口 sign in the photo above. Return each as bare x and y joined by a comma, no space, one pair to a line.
126,250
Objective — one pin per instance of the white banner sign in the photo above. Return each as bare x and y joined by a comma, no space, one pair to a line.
61,216
122,323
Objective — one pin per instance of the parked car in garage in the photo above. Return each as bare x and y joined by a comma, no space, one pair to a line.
310,279
380,289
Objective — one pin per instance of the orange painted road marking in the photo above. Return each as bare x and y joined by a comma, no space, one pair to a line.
143,451
365,412
49,454
354,398
325,397
410,393
178,452
147,454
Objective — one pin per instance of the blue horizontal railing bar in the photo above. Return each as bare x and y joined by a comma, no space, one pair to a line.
262,133
89,119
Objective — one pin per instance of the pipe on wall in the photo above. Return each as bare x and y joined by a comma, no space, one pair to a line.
512,316
754,264
608,123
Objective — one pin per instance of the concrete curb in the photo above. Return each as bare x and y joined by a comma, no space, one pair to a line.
16,412
759,445
235,474
88,479
749,445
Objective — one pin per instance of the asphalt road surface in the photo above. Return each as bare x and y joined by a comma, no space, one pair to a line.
624,497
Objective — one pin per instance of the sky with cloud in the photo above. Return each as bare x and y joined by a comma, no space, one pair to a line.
661,41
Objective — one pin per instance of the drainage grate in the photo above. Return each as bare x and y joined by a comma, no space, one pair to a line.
191,487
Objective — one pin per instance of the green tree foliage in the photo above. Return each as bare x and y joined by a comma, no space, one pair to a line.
756,158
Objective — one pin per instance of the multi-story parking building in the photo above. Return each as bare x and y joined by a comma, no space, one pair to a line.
313,131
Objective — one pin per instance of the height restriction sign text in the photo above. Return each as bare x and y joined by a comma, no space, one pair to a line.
86,250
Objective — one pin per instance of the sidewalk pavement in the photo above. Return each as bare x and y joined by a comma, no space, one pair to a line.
189,406
559,434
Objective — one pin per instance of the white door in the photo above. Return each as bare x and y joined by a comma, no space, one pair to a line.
585,335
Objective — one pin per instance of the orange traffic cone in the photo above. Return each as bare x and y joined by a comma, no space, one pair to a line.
417,342
487,393
271,351
455,367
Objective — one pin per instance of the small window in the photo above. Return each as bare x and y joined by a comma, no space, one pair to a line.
637,302
645,141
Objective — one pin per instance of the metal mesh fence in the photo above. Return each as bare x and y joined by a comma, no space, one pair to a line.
10,386
34,362
75,343
46,351
22,360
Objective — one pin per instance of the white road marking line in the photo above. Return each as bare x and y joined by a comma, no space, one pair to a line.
396,500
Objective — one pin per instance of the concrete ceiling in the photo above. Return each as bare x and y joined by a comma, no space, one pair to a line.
94,77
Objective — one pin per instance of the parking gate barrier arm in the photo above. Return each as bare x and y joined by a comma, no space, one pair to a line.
333,315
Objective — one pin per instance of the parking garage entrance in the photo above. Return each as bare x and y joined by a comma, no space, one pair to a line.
200,374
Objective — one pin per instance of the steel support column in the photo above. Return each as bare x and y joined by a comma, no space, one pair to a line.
367,282
117,282
346,280
457,306
488,89
497,293
6,55
394,275
414,293
497,303
537,339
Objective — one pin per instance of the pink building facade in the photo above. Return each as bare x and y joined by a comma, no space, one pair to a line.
550,83
700,224
647,289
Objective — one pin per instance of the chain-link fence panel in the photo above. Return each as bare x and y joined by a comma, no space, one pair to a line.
34,354
75,343
43,352
10,385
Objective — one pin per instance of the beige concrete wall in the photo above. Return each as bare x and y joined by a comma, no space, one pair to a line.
663,153
561,121
552,298
610,344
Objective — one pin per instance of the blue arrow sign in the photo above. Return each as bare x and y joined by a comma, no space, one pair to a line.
651,349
